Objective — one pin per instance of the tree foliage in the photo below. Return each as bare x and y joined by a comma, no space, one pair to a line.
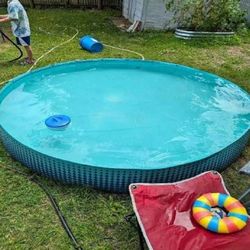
207,15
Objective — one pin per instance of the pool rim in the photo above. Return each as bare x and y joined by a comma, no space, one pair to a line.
12,81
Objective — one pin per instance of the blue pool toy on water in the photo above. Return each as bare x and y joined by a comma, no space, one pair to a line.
91,44
57,122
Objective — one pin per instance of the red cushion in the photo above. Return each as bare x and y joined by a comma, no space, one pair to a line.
164,214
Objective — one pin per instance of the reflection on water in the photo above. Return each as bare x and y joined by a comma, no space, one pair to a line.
231,99
127,116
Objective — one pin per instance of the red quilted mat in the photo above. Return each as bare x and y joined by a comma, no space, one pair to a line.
164,214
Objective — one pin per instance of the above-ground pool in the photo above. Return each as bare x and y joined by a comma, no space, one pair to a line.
131,121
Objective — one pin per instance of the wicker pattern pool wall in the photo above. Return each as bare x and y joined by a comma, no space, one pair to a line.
117,180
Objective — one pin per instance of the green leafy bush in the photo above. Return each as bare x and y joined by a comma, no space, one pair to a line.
207,15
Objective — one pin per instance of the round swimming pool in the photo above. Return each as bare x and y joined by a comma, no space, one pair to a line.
131,121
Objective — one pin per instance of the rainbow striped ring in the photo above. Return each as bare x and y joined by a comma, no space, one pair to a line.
235,220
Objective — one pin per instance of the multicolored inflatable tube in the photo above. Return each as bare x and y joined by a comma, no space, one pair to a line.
234,219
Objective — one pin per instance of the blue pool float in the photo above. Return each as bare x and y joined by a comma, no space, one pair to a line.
57,122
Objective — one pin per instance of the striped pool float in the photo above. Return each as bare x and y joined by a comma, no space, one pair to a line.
235,220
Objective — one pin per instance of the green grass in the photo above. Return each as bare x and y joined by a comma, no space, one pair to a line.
27,220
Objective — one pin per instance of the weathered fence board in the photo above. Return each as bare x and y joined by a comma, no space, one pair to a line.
70,3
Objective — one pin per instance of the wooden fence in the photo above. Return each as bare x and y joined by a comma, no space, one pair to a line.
99,4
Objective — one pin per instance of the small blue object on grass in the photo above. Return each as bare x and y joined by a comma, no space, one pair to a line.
91,44
57,122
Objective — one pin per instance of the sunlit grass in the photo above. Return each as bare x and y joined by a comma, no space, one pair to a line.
27,220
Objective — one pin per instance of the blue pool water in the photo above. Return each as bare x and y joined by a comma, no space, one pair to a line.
125,113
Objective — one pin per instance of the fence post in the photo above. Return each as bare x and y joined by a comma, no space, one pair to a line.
99,4
32,4
66,3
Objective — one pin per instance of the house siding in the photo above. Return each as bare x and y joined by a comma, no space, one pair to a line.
156,16
133,10
152,13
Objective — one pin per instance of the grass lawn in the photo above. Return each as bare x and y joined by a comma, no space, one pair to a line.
27,220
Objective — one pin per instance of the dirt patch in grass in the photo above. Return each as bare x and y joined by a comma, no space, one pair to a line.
121,23
235,51
242,53
218,60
